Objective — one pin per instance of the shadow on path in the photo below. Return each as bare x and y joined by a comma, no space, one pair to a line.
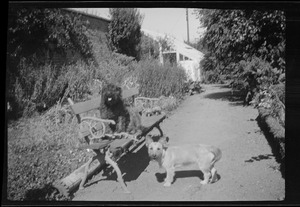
183,174
131,165
260,157
236,98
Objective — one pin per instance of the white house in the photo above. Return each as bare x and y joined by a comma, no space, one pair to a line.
186,56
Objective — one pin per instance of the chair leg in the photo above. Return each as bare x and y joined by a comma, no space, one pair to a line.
81,186
159,129
117,169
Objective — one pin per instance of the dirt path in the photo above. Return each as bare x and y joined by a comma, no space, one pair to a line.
248,170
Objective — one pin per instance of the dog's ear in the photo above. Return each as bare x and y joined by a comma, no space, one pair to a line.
164,140
149,140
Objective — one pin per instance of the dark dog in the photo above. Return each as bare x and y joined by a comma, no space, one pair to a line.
112,107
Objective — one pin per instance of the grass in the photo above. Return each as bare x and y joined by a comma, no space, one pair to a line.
41,150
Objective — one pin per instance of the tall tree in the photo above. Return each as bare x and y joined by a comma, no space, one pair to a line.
124,31
236,36
149,48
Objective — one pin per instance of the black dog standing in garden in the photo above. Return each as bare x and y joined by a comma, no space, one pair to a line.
113,107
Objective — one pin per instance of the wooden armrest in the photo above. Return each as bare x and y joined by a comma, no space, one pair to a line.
98,119
96,146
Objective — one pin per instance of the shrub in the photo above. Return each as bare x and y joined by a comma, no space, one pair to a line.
168,103
37,87
149,48
39,33
271,102
156,80
211,77
254,75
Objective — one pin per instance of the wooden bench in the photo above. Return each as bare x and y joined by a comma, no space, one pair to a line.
109,149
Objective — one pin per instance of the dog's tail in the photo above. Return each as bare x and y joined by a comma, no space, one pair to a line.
217,154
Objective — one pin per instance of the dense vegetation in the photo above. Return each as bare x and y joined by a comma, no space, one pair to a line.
235,39
34,37
124,31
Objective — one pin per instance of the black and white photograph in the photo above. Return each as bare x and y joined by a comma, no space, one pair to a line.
144,104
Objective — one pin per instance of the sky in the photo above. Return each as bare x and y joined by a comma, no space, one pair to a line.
171,21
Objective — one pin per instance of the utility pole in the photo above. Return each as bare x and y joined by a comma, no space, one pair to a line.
187,21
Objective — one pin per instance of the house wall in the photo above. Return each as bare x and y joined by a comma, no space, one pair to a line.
95,22
192,69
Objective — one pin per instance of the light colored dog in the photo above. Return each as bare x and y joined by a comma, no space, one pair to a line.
176,156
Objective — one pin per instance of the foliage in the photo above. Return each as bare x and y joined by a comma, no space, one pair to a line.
210,77
41,150
149,48
32,31
271,101
240,35
34,36
124,31
156,80
166,43
39,87
36,88
255,74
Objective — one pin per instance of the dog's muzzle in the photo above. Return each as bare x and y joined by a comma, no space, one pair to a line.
154,156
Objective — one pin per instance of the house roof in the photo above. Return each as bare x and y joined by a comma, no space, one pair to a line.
87,14
179,46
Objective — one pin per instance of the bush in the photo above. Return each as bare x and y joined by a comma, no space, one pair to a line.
211,77
271,102
37,87
253,76
156,80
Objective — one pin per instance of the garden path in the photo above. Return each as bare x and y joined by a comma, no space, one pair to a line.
248,169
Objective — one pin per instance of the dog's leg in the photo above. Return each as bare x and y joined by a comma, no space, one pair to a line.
121,125
81,186
206,175
213,175
117,169
170,176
